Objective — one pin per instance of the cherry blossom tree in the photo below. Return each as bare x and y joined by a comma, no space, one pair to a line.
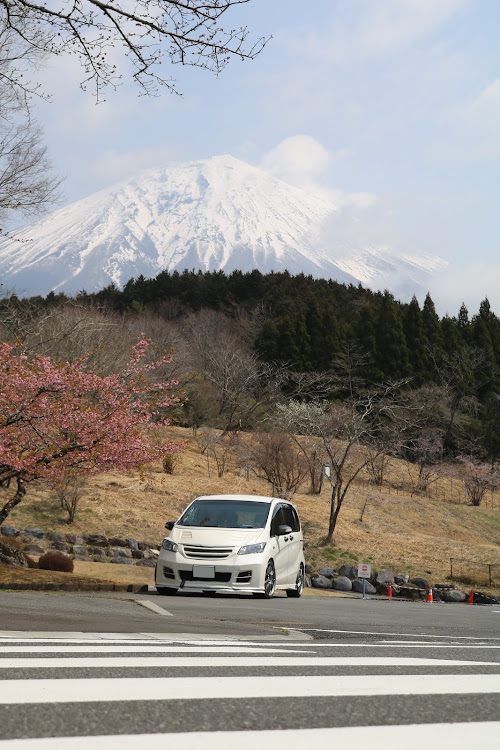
60,417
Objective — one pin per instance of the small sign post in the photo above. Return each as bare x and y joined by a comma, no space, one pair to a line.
364,572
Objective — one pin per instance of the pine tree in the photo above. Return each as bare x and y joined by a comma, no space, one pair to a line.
392,354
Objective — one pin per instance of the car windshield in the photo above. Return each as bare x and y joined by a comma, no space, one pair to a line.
226,514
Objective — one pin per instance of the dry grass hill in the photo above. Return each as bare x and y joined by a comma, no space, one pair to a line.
387,527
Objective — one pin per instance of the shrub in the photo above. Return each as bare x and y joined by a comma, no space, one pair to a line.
168,463
56,561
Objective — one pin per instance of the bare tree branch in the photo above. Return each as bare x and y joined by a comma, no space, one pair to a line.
147,32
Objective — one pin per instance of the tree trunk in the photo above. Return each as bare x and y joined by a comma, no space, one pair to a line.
15,500
335,505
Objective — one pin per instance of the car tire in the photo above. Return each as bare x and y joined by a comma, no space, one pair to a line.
299,585
269,581
166,590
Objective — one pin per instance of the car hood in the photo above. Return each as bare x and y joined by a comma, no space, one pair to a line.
215,537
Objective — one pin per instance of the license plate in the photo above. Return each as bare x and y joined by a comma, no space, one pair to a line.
203,571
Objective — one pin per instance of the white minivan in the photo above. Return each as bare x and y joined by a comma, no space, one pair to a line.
235,543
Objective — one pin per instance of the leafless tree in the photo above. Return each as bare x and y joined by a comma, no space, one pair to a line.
346,429
281,462
27,184
240,386
70,490
421,444
147,32
477,477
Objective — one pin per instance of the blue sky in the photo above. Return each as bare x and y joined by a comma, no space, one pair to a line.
392,106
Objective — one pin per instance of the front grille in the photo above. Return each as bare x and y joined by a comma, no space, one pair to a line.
206,553
220,577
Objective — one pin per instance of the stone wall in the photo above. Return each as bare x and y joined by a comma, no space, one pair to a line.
87,547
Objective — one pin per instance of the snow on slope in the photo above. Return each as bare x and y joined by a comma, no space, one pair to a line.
215,214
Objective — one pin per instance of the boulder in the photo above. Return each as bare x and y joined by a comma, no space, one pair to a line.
421,583
357,585
401,578
54,536
100,558
83,558
120,552
148,545
342,583
146,563
78,549
309,569
132,543
116,541
10,531
137,554
384,576
96,540
34,532
327,573
321,582
453,595
75,539
121,560
349,571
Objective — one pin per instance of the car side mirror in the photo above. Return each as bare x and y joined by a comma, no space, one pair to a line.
284,529
170,525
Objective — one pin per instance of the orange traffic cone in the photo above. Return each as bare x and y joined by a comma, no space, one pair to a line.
471,597
429,596
389,591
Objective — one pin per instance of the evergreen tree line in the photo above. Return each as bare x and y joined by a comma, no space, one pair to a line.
307,324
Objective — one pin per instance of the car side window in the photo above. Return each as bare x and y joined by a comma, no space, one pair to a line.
290,517
277,520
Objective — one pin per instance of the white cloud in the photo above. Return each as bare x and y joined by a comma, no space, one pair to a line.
297,160
479,123
361,30
303,161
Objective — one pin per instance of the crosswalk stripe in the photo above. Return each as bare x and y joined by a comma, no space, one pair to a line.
459,736
189,688
230,661
231,649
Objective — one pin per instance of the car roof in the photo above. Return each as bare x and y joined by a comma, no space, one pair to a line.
244,498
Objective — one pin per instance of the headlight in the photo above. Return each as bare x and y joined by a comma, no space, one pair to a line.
252,549
169,546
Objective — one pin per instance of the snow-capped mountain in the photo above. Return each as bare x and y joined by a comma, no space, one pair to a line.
220,213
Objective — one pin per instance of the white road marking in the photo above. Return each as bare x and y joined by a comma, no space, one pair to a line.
153,607
190,688
460,736
147,641
398,635
230,649
232,661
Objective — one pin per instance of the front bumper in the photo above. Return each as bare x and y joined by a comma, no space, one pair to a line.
237,573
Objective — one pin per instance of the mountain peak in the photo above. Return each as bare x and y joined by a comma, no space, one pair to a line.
214,214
